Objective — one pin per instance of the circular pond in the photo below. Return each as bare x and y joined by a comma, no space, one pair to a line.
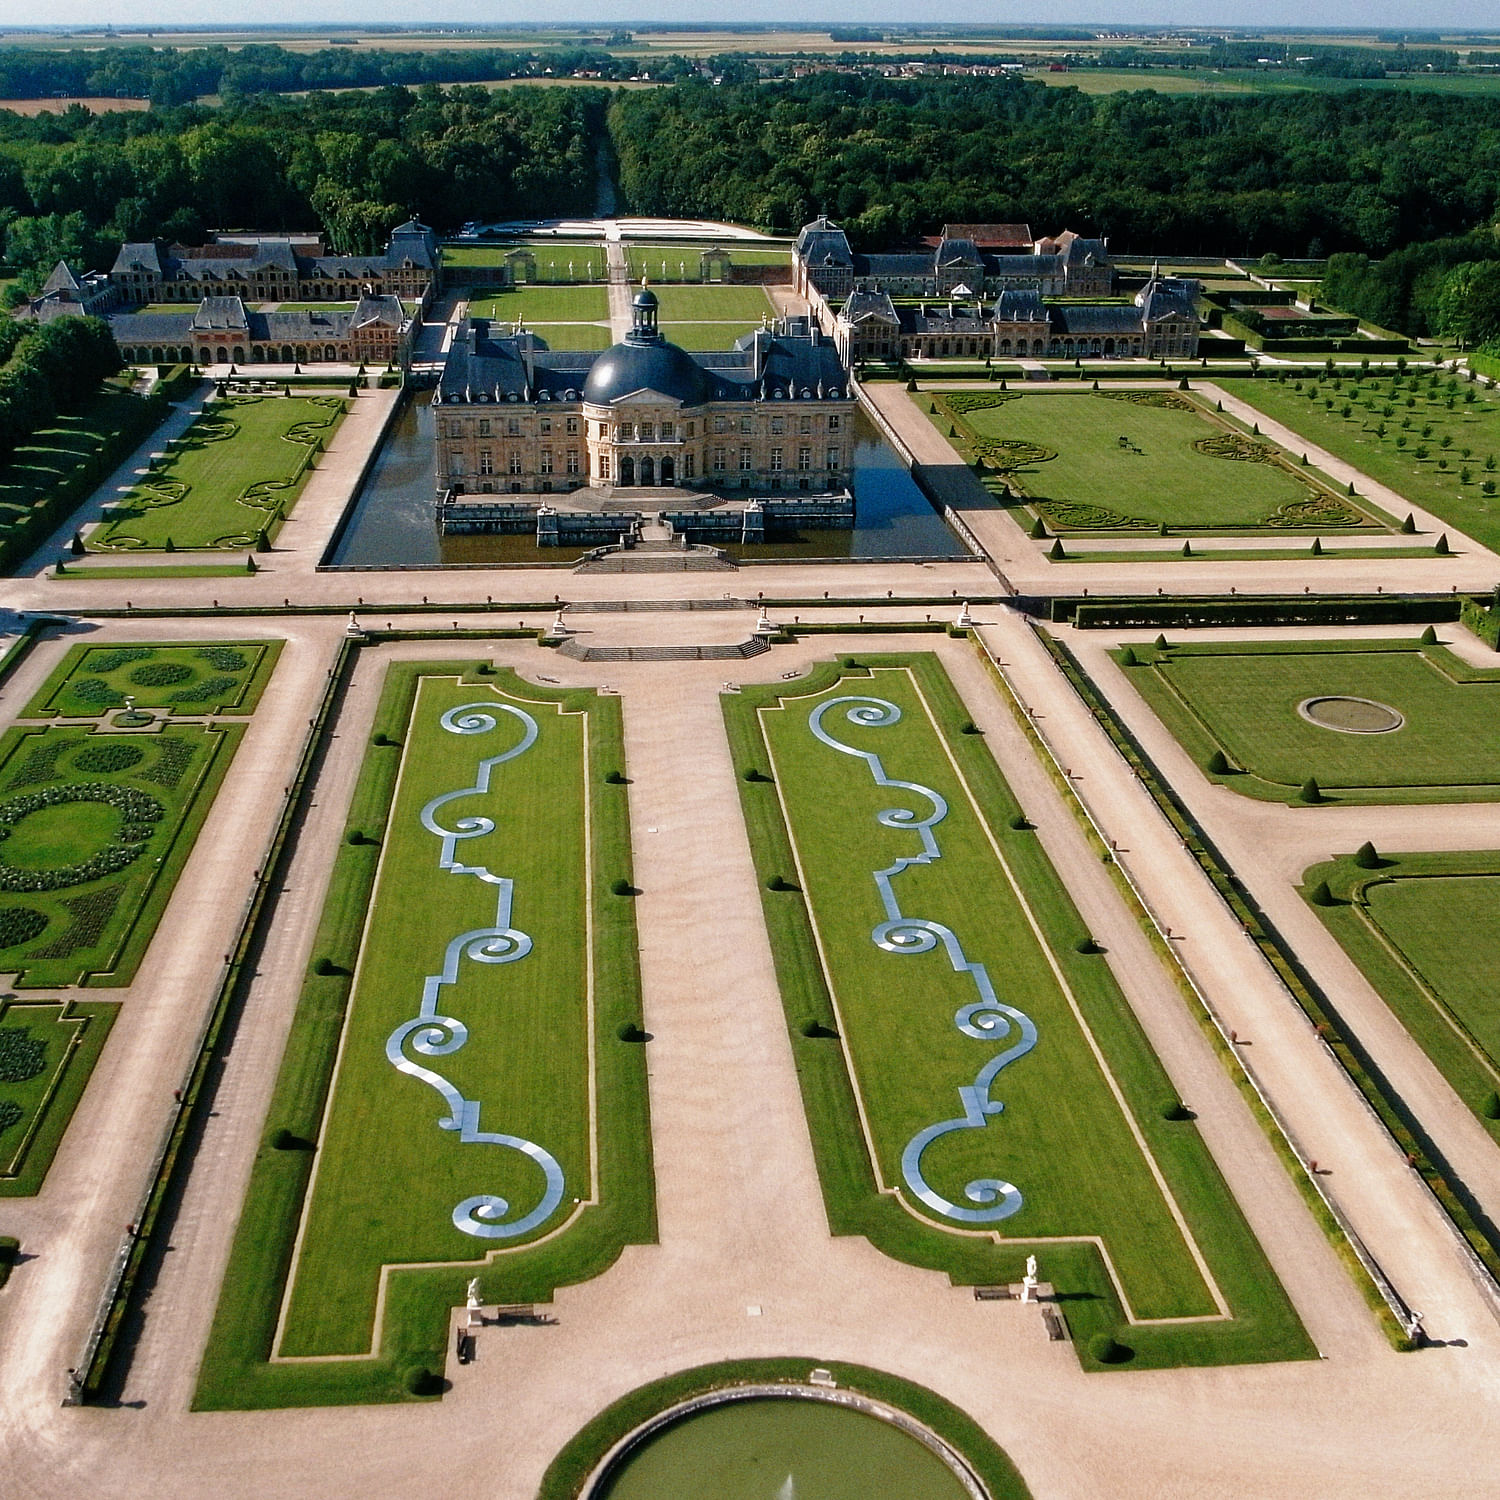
1350,715
780,1446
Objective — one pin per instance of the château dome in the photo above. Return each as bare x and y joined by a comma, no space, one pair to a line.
645,361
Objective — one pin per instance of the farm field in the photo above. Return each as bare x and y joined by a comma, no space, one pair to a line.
1423,930
1393,428
544,304
1100,462
877,906
1242,700
456,998
230,478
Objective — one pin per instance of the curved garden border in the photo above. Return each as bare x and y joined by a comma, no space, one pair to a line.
589,1458
606,1470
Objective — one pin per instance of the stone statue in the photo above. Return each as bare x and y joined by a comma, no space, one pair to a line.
1031,1268
474,1294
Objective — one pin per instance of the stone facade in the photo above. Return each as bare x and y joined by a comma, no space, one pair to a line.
66,294
221,330
775,413
1161,323
266,268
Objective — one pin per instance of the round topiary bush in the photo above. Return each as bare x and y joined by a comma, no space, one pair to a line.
1108,1350
629,1031
1490,1109
326,967
614,778
112,755
1020,822
814,1029
420,1381
19,924
1087,945
848,663
1175,1109
161,674
358,836
383,739
780,883
754,774
622,887
970,727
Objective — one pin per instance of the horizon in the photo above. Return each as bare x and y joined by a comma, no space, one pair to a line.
1453,17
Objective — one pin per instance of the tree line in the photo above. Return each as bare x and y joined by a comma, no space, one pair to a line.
1297,174
74,186
48,369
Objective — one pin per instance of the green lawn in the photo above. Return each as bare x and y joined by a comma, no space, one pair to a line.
73,453
544,304
47,1050
235,473
683,262
1242,699
226,677
1317,410
709,304
98,828
1176,466
882,1056
1423,929
542,1050
573,335
166,570
705,335
587,256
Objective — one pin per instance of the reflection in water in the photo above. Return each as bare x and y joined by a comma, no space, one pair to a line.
393,520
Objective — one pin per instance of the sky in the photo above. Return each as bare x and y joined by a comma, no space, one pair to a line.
1363,14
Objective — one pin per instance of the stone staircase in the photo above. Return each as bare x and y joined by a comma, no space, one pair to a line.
652,606
657,557
740,651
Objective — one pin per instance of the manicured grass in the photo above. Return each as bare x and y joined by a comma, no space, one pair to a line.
1423,930
706,335
1389,401
567,1472
235,473
166,570
683,261
1242,698
99,920
573,335
1064,454
708,304
884,1059
526,1058
1243,554
71,1035
587,257
544,304
218,678
72,453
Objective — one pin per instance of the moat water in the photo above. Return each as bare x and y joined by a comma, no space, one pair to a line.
780,1449
393,521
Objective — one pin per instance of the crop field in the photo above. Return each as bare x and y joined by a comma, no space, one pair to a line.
1424,930
231,478
885,830
224,678
1245,701
467,1058
1432,437
1136,461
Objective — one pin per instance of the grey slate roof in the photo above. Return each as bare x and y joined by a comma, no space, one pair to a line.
1020,306
823,243
138,256
861,307
789,363
62,279
904,264
227,313
957,252
1095,318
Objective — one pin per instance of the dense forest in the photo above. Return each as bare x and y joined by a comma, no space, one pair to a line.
76,184
1297,174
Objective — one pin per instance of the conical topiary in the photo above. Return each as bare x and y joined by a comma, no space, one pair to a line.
1429,636
1409,525
1317,547
1311,791
1366,857
1490,1109
1057,552
1128,658
1320,895
1038,530
1218,764
1440,547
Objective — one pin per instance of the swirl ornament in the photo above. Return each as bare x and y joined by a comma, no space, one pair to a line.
987,1019
430,1034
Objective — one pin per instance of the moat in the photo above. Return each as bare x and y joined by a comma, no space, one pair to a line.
393,524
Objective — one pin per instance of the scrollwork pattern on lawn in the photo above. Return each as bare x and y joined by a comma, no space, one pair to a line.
987,1019
431,1034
